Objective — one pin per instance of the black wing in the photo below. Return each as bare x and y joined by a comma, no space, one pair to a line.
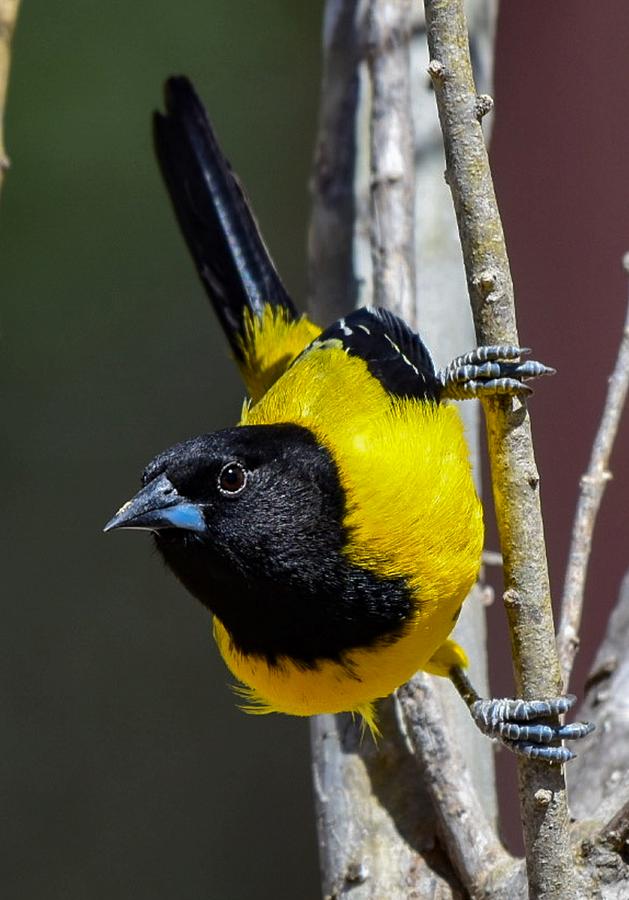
394,353
213,213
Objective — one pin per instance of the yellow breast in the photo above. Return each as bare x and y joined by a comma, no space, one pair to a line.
411,512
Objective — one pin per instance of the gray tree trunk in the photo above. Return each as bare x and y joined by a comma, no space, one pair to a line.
377,828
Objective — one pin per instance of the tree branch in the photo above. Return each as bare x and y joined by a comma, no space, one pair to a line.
392,182
599,777
593,485
373,840
8,17
333,284
444,320
375,821
515,480
377,827
616,832
473,847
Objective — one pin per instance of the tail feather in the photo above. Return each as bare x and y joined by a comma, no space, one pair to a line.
220,230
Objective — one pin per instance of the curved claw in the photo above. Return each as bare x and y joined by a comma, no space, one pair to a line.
557,755
540,733
477,388
493,712
490,352
502,719
490,371
519,724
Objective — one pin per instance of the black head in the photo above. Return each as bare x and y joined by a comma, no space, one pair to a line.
250,520
245,501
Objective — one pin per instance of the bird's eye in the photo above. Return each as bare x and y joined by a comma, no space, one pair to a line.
232,479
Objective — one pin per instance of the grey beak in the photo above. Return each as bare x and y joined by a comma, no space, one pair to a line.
158,506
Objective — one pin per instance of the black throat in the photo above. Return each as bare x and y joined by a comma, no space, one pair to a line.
273,567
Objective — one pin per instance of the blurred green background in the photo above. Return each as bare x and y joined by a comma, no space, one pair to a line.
128,769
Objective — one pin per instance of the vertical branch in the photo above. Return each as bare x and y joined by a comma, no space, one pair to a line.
599,777
444,320
377,827
593,486
375,821
8,17
392,181
477,855
514,475
368,798
333,285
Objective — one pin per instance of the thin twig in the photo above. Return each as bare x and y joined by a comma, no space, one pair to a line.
392,183
8,17
515,481
473,847
593,485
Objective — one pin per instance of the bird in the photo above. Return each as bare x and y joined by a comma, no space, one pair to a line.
335,531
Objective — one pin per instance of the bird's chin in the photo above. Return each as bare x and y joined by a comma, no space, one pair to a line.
195,563
175,537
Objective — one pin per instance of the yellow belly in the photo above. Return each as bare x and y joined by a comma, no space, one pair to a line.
363,676
411,513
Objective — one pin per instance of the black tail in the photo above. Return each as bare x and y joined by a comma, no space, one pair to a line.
217,223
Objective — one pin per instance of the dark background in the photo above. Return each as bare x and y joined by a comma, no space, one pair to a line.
127,770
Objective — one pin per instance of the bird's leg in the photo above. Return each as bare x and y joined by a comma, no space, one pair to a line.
519,725
490,371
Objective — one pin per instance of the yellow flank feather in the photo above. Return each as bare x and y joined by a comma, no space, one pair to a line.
411,511
271,343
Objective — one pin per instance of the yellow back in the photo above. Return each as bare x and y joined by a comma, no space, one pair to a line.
271,343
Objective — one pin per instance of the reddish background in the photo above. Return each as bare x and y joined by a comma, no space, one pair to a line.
560,154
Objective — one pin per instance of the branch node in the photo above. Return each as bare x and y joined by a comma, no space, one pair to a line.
512,599
437,72
484,104
357,873
5,163
485,282
543,797
532,479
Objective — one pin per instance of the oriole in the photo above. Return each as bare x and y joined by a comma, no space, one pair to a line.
336,531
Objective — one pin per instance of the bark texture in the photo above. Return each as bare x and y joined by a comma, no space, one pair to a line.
379,835
412,816
515,480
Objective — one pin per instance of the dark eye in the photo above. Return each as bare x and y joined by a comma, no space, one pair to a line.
232,479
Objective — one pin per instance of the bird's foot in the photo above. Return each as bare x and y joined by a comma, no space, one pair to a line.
489,372
519,725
